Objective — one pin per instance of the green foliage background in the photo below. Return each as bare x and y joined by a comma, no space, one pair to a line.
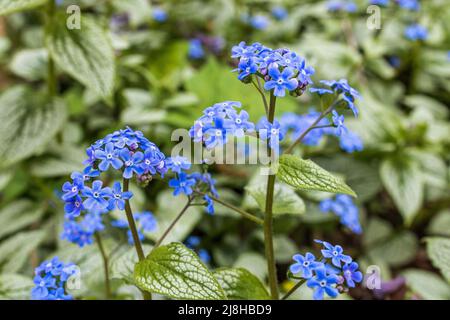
139,74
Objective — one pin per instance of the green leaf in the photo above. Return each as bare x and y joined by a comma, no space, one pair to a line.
440,225
30,64
15,287
286,201
11,6
240,284
403,180
427,284
177,272
306,175
254,262
15,251
397,250
86,54
18,215
439,252
28,124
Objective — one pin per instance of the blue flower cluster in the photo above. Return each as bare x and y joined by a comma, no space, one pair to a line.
50,279
341,5
331,274
125,150
193,243
293,125
345,209
145,222
281,69
218,122
416,32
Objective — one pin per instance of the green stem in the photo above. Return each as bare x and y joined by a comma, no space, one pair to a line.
243,213
105,265
268,217
293,289
134,233
174,222
51,72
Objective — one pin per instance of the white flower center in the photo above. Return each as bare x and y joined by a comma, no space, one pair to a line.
218,133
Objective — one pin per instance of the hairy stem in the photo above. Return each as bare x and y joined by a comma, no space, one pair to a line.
243,213
174,222
105,265
134,233
268,217
293,289
51,73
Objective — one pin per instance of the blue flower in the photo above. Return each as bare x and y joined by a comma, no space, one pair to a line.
109,156
344,208
73,207
338,121
192,242
281,81
352,274
217,135
241,123
320,91
42,286
205,180
159,14
82,232
204,256
147,221
415,32
96,197
242,50
341,5
412,5
323,282
182,184
259,22
305,264
350,142
335,253
279,13
196,49
50,278
246,67
383,3
132,163
86,175
118,197
209,204
178,164
72,190
299,123
349,94
271,131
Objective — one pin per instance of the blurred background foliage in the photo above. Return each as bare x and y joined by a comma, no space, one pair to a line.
144,71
